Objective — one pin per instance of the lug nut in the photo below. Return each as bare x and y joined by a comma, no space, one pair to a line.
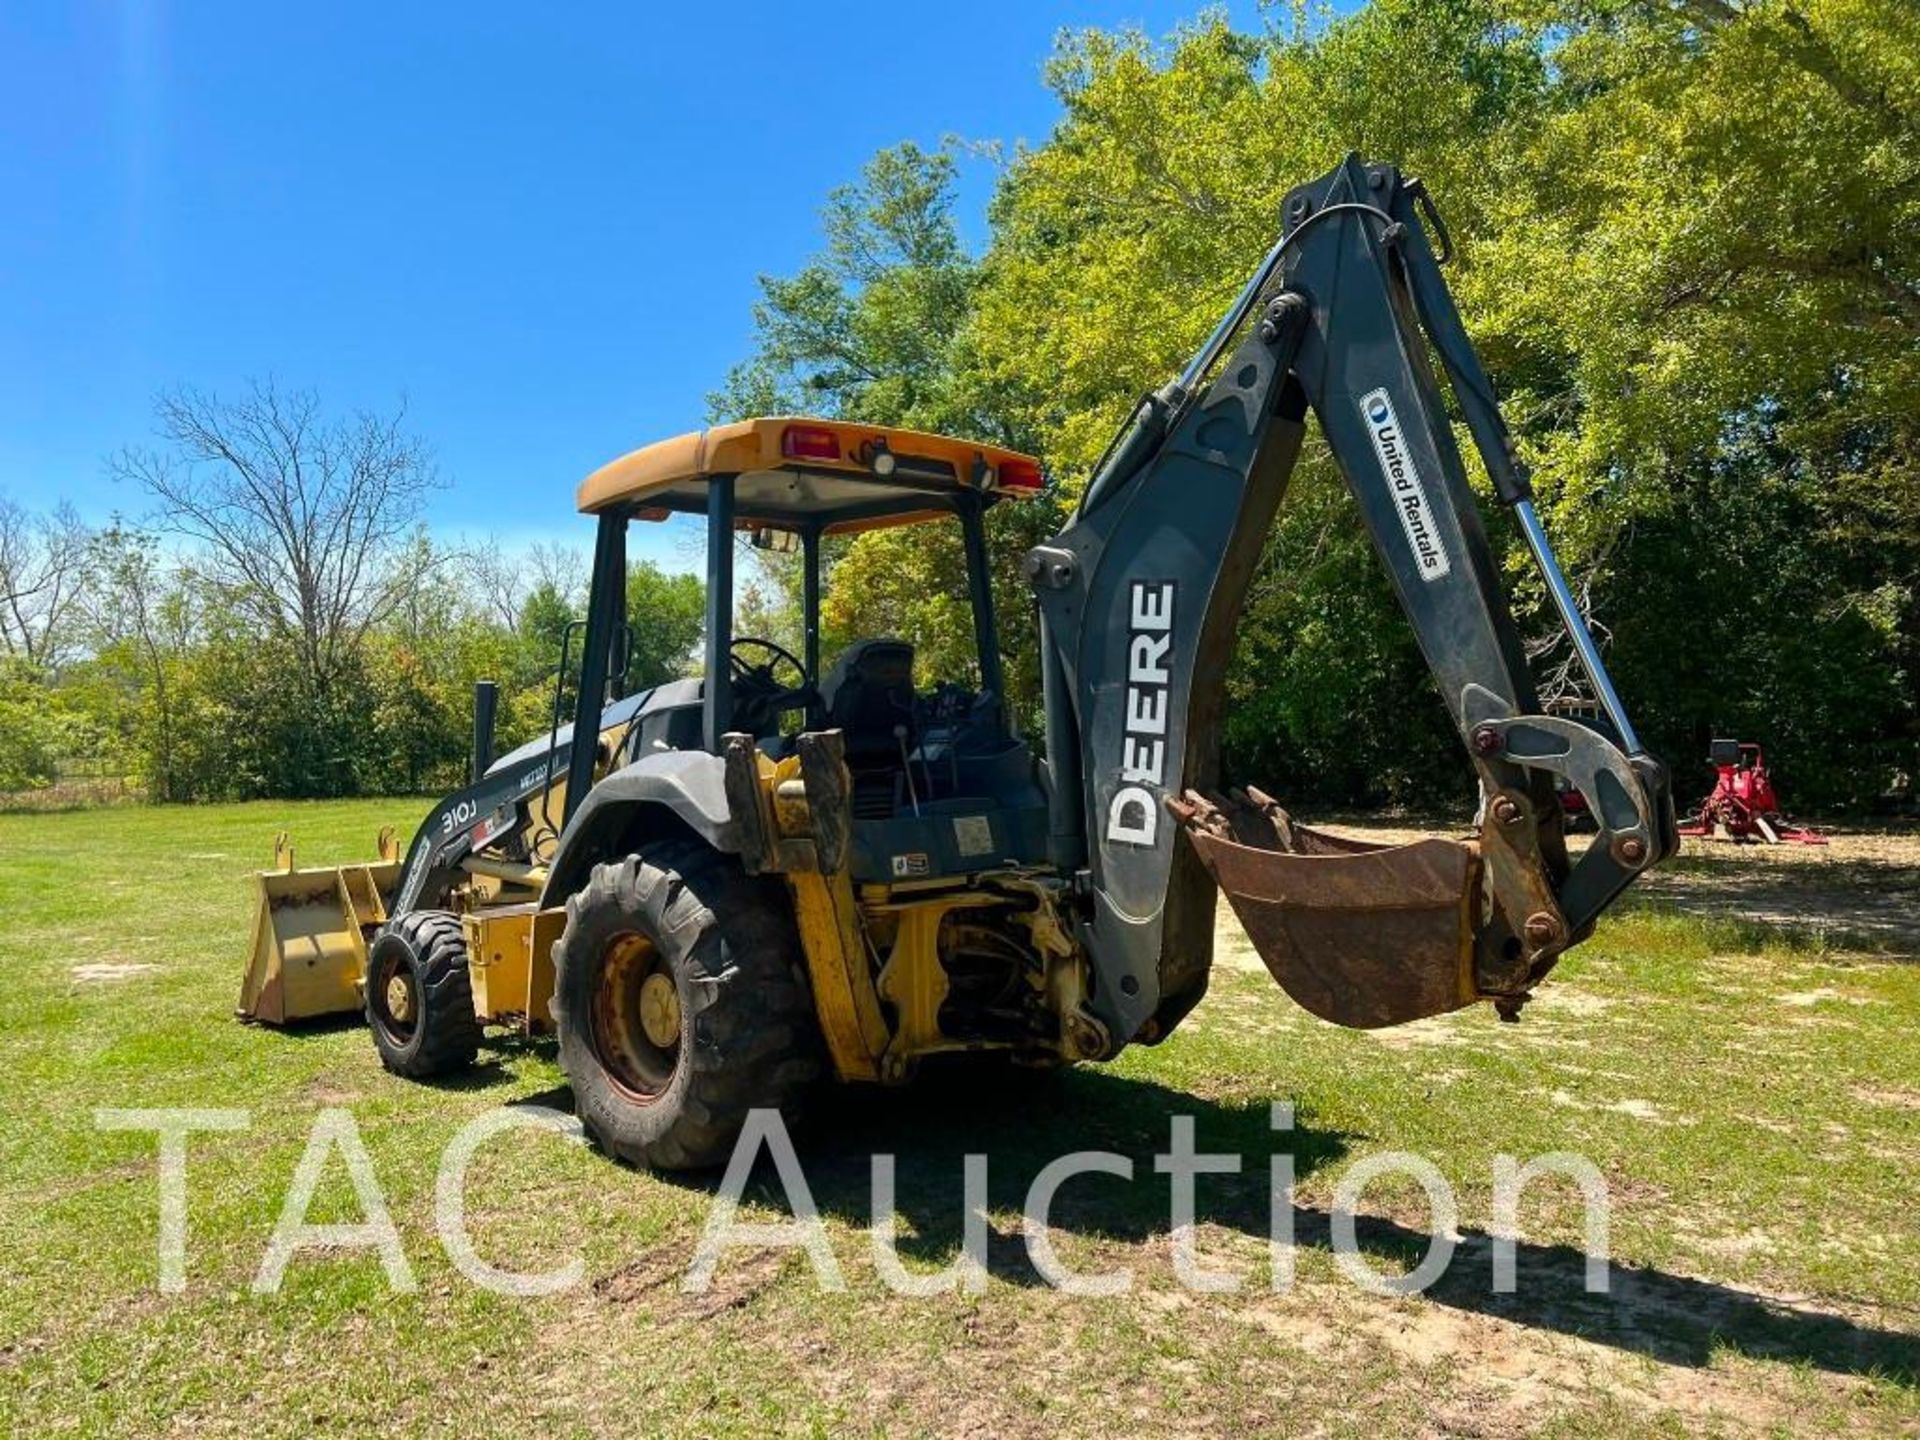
1487,741
1542,929
1630,850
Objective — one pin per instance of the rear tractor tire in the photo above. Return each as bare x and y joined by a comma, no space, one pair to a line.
419,999
681,1004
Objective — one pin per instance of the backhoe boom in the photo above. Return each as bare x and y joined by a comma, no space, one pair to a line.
1139,599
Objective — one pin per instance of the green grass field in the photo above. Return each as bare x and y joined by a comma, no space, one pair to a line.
1750,1089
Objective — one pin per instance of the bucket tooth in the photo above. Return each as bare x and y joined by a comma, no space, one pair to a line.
1361,934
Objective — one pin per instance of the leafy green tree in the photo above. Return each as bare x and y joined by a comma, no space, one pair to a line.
879,328
868,328
544,617
303,520
35,735
1118,244
141,615
1710,259
666,616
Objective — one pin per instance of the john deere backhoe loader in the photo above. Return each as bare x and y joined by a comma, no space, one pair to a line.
713,909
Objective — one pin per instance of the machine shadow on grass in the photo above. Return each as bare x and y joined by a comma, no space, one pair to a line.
1023,1120
496,1066
1022,1123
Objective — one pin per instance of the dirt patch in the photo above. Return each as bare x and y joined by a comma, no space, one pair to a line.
1557,1001
1637,1108
18,1352
323,1090
1418,1034
660,1273
1734,1247
1232,949
1805,999
652,1273
1897,1099
105,972
1507,1376
1859,890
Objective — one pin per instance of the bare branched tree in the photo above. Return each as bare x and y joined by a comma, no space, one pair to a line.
304,519
496,580
1559,677
560,568
502,579
43,569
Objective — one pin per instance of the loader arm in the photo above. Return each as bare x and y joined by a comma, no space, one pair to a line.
1140,595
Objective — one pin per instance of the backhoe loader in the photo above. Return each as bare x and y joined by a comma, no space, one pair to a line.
718,890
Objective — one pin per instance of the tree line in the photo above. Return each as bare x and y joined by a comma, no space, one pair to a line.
1688,239
281,624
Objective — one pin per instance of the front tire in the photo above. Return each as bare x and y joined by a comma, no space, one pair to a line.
419,999
681,1004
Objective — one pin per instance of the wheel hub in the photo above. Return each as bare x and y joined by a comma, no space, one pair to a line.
660,1009
636,1018
399,999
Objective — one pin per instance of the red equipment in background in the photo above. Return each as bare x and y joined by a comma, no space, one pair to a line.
1743,806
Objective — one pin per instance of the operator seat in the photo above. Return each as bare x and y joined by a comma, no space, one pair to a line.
866,693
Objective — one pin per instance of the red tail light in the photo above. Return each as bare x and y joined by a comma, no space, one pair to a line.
1020,475
809,442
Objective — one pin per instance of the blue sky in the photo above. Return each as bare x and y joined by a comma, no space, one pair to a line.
540,223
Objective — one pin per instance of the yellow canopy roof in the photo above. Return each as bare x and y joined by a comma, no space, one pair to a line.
793,471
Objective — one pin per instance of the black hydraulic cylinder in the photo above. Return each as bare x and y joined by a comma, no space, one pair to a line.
1137,443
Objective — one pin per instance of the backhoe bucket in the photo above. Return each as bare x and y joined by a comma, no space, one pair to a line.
1360,934
310,935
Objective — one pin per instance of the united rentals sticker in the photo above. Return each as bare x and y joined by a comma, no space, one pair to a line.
1409,495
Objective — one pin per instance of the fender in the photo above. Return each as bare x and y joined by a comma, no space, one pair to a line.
659,793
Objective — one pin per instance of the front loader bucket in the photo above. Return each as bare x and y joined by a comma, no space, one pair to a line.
1360,934
310,930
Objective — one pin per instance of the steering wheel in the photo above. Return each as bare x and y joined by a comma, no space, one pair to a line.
759,697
